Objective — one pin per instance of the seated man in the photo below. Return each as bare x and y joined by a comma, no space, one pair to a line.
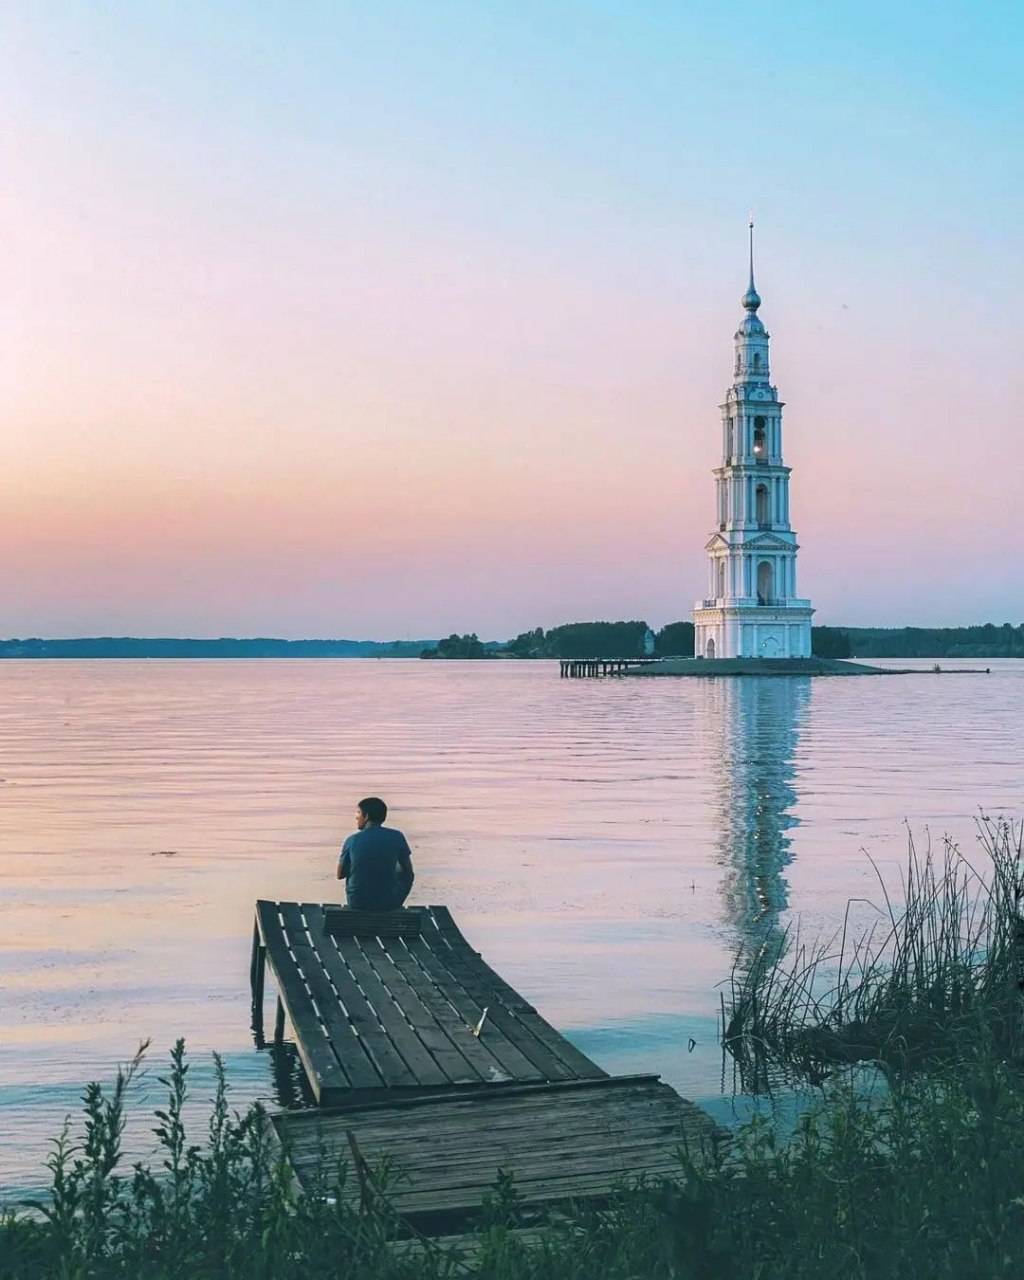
376,861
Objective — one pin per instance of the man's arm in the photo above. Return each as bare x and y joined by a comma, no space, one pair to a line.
344,864
406,875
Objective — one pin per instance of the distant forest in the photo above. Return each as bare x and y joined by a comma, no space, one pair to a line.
626,639
572,640
129,647
985,641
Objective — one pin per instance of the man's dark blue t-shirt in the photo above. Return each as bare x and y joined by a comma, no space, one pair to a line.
370,865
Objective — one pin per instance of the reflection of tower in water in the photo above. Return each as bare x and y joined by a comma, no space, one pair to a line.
752,726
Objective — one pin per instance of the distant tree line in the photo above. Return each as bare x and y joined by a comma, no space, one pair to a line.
985,641
830,642
572,640
224,647
626,640
602,640
456,646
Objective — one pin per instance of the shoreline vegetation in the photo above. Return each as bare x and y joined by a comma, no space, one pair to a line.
922,1175
571,640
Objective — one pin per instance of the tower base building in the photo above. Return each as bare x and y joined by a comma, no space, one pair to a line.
752,609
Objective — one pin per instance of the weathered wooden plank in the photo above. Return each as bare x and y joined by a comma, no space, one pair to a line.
455,1028
518,1150
548,1161
530,1089
533,1193
511,1061
454,938
590,1151
472,974
346,1042
412,1049
387,1062
439,928
434,1033
533,1186
547,1063
455,1068
345,922
325,1074
529,1028
478,1118
398,1111
464,1132
341,1035
463,1129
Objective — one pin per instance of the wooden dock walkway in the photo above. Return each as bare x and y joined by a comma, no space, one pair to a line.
573,1141
416,1050
394,1001
591,668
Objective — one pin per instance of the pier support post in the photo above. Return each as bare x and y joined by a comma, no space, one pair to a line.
257,976
279,1021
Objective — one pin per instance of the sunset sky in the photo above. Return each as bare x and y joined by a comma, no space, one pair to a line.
381,319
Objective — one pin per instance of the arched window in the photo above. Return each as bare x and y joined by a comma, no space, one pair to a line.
760,439
763,508
710,649
765,582
757,361
720,591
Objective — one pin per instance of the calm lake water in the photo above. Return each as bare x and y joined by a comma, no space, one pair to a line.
608,845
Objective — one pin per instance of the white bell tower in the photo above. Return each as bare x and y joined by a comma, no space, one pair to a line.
752,609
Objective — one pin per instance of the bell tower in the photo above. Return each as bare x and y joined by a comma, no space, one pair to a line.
752,609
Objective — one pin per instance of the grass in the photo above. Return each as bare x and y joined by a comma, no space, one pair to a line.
928,1182
944,968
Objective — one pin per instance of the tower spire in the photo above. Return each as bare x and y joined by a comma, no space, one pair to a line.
751,299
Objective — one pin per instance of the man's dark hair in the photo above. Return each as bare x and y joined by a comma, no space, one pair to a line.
374,808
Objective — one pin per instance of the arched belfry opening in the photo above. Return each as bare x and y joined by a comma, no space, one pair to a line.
710,651
765,582
763,504
760,438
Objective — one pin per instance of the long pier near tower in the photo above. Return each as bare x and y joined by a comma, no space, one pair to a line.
707,668
419,1054
580,668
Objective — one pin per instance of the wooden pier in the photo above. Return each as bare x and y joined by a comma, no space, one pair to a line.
418,1052
395,1001
591,668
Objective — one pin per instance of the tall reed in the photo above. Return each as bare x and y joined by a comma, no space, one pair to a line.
946,965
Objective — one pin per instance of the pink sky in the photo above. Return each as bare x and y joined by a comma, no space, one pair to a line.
329,329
